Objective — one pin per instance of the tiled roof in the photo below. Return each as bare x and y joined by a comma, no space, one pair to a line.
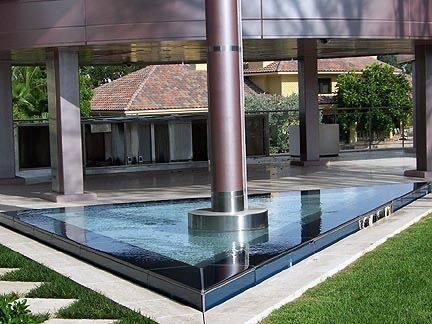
156,87
324,65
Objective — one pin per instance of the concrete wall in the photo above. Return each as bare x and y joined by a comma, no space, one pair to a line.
104,146
269,83
285,84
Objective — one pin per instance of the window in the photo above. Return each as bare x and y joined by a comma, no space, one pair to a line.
324,86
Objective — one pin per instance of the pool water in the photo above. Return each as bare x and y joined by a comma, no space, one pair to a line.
155,236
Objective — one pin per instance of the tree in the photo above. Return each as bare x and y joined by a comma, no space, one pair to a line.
283,112
86,94
386,94
29,92
30,97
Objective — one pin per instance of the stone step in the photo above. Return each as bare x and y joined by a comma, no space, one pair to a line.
3,271
17,287
79,321
47,305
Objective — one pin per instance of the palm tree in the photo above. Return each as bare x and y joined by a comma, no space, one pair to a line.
29,92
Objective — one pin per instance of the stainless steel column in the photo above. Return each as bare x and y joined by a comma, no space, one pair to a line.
226,119
7,150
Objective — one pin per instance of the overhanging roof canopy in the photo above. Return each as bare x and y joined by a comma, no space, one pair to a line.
168,31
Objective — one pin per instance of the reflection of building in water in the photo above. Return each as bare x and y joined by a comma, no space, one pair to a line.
235,256
310,214
235,261
75,232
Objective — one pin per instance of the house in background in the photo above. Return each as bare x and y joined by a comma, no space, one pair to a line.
168,107
281,77
157,114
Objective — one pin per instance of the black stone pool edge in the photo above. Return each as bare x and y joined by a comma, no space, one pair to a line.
204,300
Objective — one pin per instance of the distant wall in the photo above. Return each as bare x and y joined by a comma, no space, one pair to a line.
136,142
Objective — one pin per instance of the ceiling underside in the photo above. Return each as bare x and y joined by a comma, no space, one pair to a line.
195,51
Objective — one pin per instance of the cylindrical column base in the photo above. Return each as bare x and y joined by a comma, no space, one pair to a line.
247,220
228,202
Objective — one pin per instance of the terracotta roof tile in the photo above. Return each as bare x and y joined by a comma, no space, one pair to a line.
324,65
157,87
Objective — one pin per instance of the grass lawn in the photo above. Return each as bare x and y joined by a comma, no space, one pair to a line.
392,284
90,304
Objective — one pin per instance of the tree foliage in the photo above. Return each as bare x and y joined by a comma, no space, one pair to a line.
29,87
86,94
386,99
29,92
30,96
283,111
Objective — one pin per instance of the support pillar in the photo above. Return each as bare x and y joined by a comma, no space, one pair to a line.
226,120
65,127
414,108
423,114
308,104
7,147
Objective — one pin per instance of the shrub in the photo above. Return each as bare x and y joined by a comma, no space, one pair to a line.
282,111
15,312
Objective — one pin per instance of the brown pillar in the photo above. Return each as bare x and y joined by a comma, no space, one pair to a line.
225,115
229,210
414,108
423,114
65,126
308,103
7,151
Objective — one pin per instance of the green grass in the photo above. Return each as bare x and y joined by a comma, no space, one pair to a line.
90,304
392,284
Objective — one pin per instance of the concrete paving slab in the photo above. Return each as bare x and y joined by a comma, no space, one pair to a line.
19,288
78,321
4,271
183,319
128,292
47,305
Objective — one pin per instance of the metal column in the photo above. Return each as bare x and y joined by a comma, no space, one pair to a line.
7,148
226,121
423,114
308,103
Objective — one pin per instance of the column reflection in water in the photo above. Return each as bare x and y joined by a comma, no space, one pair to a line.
73,225
310,214
234,260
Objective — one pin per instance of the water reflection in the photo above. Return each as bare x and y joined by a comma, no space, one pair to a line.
73,226
234,259
310,213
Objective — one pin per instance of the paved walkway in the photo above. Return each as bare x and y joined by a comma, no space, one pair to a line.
41,305
264,174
